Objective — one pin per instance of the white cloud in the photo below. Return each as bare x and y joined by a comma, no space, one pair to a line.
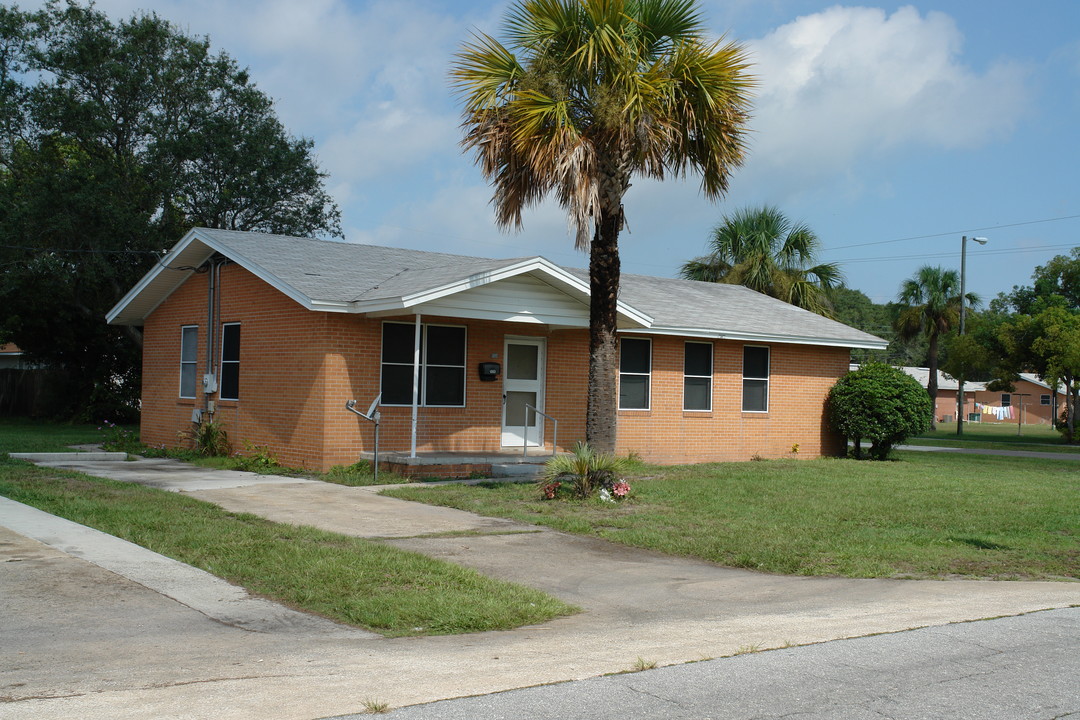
846,82
390,138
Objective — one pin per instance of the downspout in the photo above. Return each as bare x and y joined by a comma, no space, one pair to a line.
213,317
211,284
415,381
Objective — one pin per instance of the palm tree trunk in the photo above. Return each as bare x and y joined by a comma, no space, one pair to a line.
604,274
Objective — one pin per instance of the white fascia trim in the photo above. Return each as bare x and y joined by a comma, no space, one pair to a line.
537,264
150,277
765,337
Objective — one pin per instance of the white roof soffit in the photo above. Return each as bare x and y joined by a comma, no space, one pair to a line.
160,281
178,265
764,338
551,274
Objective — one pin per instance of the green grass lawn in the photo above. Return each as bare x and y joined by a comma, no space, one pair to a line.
924,516
24,435
997,436
351,580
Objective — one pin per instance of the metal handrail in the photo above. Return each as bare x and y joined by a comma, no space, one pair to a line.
540,443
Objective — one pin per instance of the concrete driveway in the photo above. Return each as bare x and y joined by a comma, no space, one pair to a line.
105,646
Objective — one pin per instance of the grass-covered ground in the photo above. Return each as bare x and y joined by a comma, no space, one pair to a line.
926,515
24,435
997,436
351,580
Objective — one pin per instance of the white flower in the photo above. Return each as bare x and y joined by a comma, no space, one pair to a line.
605,495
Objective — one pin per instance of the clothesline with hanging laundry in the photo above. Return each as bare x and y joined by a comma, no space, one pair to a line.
999,412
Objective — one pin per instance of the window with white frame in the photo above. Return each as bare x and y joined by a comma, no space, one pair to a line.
189,360
1006,399
697,376
635,370
755,395
442,364
229,381
1044,399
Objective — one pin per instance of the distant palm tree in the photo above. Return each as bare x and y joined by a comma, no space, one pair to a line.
763,250
932,300
586,94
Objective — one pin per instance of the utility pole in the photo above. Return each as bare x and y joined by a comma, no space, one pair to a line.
963,300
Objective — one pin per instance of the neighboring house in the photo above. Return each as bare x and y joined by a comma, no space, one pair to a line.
23,384
286,330
1032,402
11,357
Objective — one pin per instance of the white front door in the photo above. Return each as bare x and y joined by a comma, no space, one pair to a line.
523,384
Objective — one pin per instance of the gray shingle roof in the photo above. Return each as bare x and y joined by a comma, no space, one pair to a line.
345,272
339,273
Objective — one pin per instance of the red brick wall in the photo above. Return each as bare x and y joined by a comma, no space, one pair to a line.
298,368
800,378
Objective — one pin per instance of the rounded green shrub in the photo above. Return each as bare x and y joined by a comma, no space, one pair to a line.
881,404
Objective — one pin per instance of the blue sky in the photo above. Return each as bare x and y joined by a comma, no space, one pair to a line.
890,129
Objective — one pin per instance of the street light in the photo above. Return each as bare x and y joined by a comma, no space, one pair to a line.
963,299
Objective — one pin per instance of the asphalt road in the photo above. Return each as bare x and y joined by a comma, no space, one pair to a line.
1016,668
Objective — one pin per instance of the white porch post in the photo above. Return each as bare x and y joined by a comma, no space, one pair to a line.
415,380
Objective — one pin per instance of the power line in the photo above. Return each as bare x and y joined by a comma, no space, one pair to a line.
1007,251
93,251
954,232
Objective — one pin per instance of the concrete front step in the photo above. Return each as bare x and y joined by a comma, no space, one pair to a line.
516,469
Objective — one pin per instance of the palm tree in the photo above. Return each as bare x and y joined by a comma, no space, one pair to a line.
586,94
932,300
763,250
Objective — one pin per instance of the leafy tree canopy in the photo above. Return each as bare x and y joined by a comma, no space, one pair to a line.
115,139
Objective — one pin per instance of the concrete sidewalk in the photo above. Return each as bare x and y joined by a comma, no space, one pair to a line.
637,604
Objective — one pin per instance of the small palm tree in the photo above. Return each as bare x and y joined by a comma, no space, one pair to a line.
584,95
763,250
932,300
585,470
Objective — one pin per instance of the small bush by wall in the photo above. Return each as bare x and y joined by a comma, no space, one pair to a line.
881,404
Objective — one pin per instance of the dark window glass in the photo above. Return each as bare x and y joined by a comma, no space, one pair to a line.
697,393
635,364
397,381
445,386
1044,399
189,348
756,362
634,357
445,345
755,379
397,343
697,376
755,395
634,392
1006,400
698,359
230,362
442,365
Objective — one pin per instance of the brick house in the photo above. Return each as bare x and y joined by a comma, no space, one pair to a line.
286,330
1032,401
